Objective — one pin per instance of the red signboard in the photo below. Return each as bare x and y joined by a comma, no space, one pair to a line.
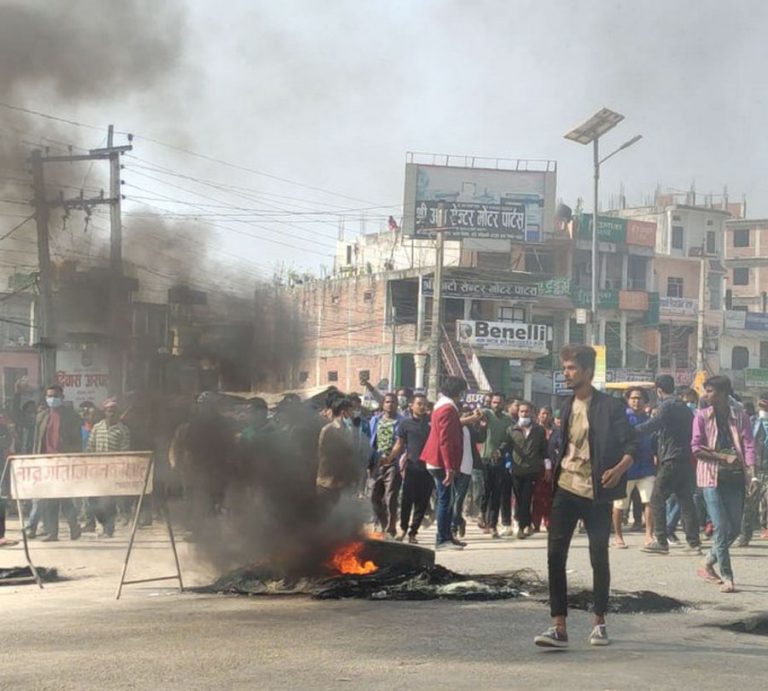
641,233
633,300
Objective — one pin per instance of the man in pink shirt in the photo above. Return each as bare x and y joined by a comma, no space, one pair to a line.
723,445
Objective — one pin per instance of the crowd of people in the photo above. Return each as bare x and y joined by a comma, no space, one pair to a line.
53,427
514,469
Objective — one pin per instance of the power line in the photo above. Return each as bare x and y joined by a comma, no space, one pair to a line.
16,227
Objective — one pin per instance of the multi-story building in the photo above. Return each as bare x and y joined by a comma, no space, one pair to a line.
687,274
744,352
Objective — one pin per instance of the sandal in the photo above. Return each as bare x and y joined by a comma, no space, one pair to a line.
620,545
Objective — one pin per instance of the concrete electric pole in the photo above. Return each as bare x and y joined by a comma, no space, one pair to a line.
117,302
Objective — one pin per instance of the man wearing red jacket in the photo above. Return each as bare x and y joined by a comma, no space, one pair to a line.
443,453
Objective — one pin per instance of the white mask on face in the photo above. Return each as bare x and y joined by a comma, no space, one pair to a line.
524,421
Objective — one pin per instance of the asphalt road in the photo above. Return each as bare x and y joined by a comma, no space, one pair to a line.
74,635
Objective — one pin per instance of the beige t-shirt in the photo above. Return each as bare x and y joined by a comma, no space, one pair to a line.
576,466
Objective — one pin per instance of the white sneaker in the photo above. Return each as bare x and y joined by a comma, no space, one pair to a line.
599,635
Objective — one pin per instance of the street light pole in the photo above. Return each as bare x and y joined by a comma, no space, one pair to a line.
594,326
590,132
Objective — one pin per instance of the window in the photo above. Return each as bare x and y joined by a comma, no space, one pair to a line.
739,358
511,314
539,262
674,287
741,237
710,222
333,375
741,276
365,375
636,272
764,354
303,377
368,296
349,254
677,237
675,341
711,247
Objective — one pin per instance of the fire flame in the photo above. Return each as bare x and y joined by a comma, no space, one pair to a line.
347,559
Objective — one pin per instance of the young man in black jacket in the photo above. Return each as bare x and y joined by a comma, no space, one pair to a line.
598,447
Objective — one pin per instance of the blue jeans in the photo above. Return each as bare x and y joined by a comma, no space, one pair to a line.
673,514
725,505
459,489
443,508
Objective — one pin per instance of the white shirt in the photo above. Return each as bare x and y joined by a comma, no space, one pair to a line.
466,457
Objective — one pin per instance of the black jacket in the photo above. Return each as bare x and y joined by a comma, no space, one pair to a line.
673,425
528,453
611,437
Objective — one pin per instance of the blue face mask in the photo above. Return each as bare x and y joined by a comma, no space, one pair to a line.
53,402
692,406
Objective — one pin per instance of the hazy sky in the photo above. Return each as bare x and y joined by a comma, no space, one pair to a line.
333,94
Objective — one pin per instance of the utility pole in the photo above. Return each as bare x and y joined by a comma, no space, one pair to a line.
117,302
46,328
700,363
393,354
437,302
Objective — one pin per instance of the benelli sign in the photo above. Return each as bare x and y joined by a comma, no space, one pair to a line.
503,335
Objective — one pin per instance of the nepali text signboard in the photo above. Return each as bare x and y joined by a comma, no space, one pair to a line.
684,307
83,374
750,321
756,378
503,335
60,476
479,290
479,203
609,228
606,299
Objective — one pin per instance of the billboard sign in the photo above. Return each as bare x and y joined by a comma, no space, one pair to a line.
503,335
480,290
479,203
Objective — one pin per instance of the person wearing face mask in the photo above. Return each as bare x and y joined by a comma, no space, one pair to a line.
57,431
526,443
337,465
756,501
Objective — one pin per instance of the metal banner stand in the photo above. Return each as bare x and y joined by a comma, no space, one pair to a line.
167,519
24,531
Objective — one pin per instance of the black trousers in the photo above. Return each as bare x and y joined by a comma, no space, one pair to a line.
417,491
567,510
499,495
385,495
678,478
523,486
